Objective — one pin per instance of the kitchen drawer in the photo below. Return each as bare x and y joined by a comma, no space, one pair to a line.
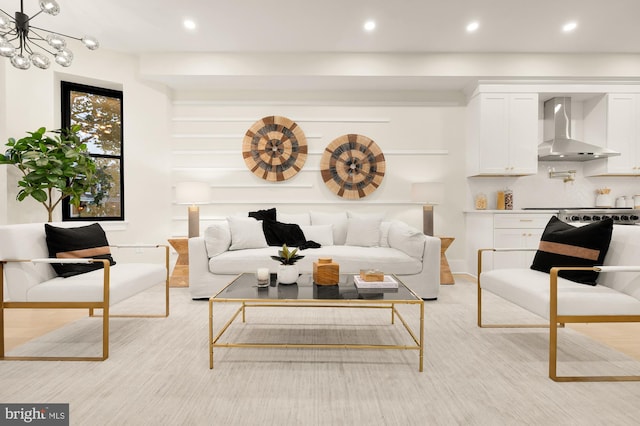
516,220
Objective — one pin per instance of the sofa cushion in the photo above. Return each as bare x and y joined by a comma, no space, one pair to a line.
351,260
363,231
563,244
321,234
246,233
217,238
339,222
82,242
407,239
623,251
21,276
384,233
126,279
529,289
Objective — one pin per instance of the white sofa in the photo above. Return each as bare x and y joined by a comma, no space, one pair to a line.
28,280
615,298
390,246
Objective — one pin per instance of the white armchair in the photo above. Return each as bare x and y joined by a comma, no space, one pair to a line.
27,280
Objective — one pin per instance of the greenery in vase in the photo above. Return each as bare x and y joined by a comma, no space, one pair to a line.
55,163
286,256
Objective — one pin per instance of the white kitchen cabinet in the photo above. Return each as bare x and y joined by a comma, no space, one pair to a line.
515,238
517,231
502,135
503,230
615,123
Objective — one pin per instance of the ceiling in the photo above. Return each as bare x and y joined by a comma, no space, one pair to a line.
336,26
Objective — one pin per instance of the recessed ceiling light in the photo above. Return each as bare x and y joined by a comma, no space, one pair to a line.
472,26
189,24
569,26
370,25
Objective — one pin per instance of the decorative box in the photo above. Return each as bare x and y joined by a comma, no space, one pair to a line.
326,272
371,275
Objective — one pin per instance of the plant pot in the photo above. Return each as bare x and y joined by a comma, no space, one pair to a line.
287,274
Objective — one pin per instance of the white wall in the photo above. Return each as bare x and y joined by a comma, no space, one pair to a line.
3,137
33,100
420,141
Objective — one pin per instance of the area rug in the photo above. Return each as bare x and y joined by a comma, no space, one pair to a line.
158,370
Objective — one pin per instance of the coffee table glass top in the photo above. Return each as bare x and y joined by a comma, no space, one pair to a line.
245,287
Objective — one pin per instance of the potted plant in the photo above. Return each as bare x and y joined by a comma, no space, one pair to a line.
287,270
54,168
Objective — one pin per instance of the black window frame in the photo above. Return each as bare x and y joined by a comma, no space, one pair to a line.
66,88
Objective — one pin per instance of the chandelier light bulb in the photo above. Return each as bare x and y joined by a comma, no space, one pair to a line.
90,42
6,49
50,6
64,57
5,23
56,41
40,61
20,62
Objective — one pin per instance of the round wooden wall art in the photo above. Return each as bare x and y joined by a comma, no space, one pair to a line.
352,166
274,148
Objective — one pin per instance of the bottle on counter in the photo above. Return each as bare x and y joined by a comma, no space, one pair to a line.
500,198
508,199
636,201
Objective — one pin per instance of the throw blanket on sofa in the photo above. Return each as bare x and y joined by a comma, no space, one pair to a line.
278,233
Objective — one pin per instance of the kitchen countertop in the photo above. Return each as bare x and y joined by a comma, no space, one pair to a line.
519,211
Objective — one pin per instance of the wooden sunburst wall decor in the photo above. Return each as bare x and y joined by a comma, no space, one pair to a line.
352,166
274,148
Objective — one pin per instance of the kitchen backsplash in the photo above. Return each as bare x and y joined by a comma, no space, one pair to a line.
542,191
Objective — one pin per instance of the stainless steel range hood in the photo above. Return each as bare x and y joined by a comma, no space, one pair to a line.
560,146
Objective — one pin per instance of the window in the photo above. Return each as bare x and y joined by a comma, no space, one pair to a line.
98,112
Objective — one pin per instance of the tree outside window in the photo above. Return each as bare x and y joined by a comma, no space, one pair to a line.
98,112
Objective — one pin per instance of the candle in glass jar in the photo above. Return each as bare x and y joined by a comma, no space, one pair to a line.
263,273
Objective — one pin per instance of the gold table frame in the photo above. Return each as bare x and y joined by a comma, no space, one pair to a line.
214,340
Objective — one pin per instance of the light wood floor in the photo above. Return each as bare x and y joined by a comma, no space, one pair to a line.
624,337
22,325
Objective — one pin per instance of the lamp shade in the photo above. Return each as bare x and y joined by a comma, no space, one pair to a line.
427,192
192,193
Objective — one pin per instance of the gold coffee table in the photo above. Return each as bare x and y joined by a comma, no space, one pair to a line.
244,291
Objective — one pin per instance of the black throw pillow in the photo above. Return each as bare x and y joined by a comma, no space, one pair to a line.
268,214
88,242
563,244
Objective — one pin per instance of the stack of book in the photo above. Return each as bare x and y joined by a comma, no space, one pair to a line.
386,282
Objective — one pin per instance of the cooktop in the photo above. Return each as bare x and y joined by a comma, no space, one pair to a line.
577,208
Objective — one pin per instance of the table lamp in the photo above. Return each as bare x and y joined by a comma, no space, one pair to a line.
430,194
192,194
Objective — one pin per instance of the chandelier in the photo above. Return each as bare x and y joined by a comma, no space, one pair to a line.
25,43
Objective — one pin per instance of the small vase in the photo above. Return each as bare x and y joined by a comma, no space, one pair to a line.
287,274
